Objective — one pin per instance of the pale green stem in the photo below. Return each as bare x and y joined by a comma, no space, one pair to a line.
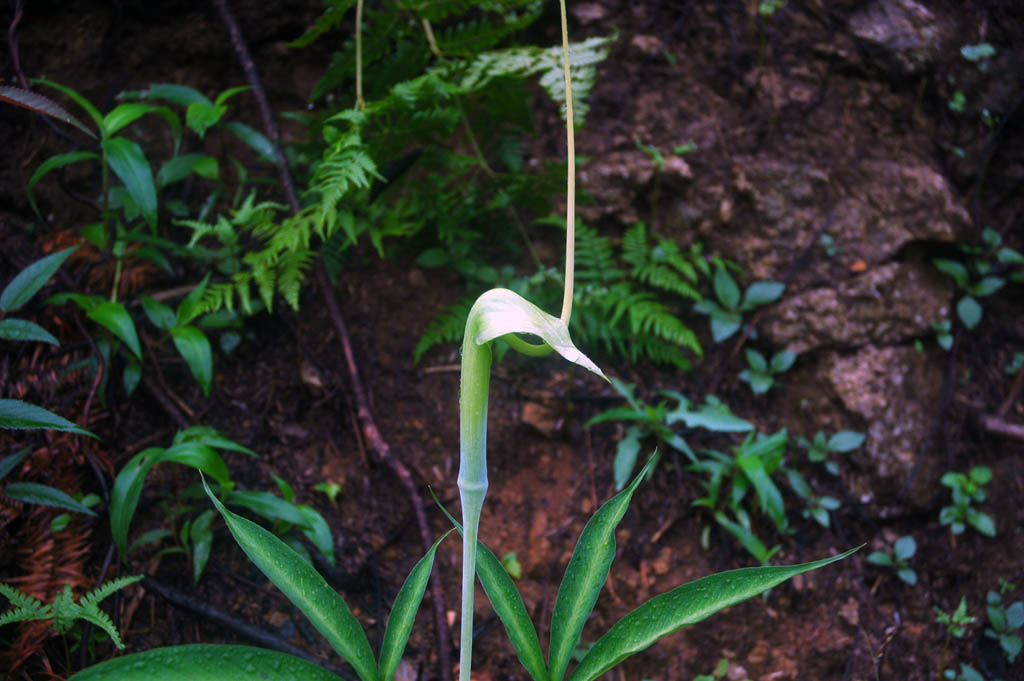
476,380
360,103
570,199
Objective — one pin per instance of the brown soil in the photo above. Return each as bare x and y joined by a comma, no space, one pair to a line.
285,391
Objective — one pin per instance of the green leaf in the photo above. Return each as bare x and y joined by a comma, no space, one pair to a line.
305,588
761,293
188,308
201,116
907,575
8,463
116,319
969,312
206,662
987,286
201,539
683,606
79,99
18,415
782,361
724,324
33,493
124,496
267,505
433,257
129,163
982,522
31,279
845,441
625,457
403,613
52,163
161,315
726,290
123,115
179,167
715,418
254,139
756,361
954,269
24,330
585,576
904,548
194,348
880,558
182,95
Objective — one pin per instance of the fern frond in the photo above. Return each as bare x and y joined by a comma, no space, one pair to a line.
20,599
666,279
651,317
634,245
329,20
595,257
90,599
447,327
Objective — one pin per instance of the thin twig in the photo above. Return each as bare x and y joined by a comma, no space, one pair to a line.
995,424
12,42
369,427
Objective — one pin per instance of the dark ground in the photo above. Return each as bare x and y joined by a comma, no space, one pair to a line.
850,621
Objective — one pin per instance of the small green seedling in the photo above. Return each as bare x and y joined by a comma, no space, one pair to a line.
819,448
767,8
943,333
64,611
956,624
967,673
720,672
818,507
510,561
1014,366
967,490
828,242
1005,620
659,421
985,269
727,314
760,373
329,488
903,549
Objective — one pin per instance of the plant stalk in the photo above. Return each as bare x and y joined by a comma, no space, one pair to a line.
570,194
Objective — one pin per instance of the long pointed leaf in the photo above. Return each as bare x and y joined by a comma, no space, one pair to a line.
34,493
36,102
403,613
125,114
18,415
305,588
205,662
129,163
683,606
584,576
508,605
114,317
194,347
24,330
79,99
8,463
124,497
31,279
52,163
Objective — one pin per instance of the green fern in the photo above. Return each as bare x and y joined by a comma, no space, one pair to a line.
447,327
64,611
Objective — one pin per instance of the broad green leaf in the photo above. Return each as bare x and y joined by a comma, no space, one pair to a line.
1008,256
433,257
625,457
201,540
18,415
761,293
904,548
24,330
403,613
681,607
31,279
715,418
782,361
161,315
182,95
981,475
987,286
194,347
33,493
129,163
52,163
318,531
231,92
131,376
755,360
206,662
508,605
982,522
79,99
201,116
501,312
724,324
305,588
585,576
124,496
256,140
969,312
8,463
267,505
36,102
845,441
116,319
726,290
211,438
123,115
179,167
768,495
880,558
954,269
